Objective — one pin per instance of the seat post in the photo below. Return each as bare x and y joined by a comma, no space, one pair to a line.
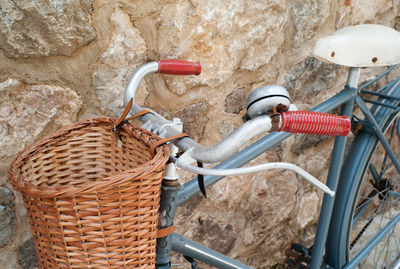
353,77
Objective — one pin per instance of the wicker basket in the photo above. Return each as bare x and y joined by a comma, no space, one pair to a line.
92,196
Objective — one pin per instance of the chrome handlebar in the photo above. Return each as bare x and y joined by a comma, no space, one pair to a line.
164,127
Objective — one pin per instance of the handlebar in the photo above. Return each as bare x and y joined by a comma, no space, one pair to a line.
292,121
239,137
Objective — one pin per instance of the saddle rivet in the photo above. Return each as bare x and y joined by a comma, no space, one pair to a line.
374,60
333,54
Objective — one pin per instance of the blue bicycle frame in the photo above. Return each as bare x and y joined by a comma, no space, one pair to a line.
173,196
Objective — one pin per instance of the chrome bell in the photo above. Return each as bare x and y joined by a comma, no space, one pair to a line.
266,98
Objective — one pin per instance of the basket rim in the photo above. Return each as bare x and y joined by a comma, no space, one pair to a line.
16,179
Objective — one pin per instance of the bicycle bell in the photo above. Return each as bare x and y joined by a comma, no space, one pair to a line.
266,98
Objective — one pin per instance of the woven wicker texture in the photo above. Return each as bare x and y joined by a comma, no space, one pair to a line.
92,196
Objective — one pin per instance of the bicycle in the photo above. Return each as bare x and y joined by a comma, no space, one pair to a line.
364,181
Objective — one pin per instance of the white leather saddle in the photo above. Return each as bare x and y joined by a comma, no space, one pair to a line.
362,45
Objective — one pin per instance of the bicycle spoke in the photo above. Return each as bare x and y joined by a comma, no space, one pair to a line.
388,259
362,206
370,216
384,253
369,221
381,225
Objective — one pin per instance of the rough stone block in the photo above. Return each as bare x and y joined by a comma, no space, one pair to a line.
27,110
7,216
223,35
309,77
235,101
194,119
221,236
304,142
123,55
27,257
44,27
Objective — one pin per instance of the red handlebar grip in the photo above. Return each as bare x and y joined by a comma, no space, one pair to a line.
175,67
307,122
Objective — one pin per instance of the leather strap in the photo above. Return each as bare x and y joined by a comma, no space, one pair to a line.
121,121
165,231
144,111
165,140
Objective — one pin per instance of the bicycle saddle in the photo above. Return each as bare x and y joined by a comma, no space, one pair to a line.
362,45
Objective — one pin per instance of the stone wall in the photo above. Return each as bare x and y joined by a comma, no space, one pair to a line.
63,61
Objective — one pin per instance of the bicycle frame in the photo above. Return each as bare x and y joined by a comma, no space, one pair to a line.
173,196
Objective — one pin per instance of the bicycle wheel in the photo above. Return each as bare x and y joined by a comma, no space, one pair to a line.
366,197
